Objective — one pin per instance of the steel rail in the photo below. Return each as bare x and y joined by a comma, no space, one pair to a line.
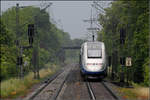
92,96
60,88
45,83
110,91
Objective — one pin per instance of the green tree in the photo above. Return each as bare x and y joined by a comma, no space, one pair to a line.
51,39
132,16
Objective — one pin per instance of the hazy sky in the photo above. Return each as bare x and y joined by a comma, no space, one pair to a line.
66,15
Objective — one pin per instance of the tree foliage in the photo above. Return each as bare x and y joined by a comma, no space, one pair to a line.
133,17
51,39
7,57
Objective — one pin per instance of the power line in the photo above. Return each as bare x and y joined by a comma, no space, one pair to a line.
91,28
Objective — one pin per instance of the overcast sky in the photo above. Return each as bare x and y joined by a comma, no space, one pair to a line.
66,15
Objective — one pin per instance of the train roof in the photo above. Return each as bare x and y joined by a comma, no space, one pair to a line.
91,42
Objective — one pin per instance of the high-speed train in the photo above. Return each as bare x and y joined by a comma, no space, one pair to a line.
93,60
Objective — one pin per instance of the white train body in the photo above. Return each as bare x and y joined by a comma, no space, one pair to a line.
93,59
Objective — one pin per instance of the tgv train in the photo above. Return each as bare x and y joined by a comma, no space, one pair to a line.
93,60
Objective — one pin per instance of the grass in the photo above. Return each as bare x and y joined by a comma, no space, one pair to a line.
139,92
136,93
14,87
142,92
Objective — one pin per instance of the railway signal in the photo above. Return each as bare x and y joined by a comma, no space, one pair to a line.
30,33
122,36
19,60
30,40
31,30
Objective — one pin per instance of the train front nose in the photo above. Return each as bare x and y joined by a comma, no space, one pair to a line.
95,67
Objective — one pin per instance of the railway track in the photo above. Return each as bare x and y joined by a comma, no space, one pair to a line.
42,86
51,87
59,90
54,89
90,90
100,91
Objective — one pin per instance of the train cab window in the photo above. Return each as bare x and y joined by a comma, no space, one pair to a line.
94,51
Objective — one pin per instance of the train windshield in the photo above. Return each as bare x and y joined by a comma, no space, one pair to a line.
94,50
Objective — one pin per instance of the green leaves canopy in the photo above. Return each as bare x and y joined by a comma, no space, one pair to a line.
133,16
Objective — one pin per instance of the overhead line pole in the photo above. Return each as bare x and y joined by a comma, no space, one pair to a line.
36,46
36,51
18,49
92,26
16,42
